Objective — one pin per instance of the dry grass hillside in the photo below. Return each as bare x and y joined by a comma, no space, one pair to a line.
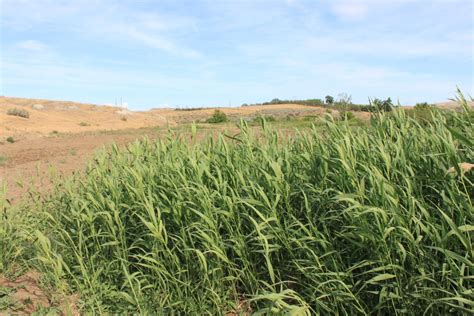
47,116
69,117
452,105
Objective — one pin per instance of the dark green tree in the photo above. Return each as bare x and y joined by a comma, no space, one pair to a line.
329,99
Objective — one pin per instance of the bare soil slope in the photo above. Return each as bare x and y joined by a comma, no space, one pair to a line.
48,117
451,105
69,117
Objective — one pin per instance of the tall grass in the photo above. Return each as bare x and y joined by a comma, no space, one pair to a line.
349,221
16,236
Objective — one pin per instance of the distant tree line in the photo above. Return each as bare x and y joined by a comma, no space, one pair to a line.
342,103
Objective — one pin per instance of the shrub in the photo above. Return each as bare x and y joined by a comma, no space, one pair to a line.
84,124
191,109
423,105
422,112
19,112
267,118
310,102
217,117
314,102
10,139
347,115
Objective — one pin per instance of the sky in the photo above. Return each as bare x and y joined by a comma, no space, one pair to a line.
218,53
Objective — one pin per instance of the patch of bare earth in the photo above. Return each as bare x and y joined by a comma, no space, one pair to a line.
30,163
24,295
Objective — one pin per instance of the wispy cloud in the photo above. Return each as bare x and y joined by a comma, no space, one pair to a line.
350,10
32,45
160,42
99,19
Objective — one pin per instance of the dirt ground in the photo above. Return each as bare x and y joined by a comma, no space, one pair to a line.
25,295
33,161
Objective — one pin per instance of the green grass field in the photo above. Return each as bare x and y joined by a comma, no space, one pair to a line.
334,220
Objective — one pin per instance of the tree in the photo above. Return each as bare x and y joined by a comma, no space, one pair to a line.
329,99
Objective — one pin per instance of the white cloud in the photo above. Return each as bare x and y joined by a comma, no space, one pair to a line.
32,45
162,43
350,10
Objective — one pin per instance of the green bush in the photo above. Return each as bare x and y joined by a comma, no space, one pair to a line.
261,118
347,115
423,105
18,112
422,112
309,102
10,139
217,117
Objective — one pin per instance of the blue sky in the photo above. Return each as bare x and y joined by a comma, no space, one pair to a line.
216,53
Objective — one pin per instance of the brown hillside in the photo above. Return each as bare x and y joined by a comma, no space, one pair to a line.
70,117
